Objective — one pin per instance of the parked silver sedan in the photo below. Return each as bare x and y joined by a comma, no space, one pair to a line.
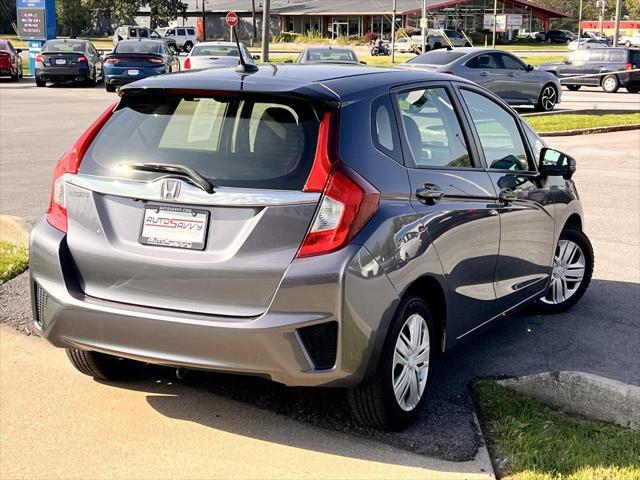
503,73
217,55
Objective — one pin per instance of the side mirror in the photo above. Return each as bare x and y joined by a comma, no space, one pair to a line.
555,163
529,68
18,50
101,52
362,63
255,57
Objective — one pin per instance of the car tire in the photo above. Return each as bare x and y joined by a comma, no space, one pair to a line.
633,89
574,88
375,403
40,83
16,77
101,366
109,87
91,81
547,99
627,44
610,84
573,256
187,47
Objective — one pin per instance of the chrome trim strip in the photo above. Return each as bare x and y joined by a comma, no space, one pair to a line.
503,314
190,194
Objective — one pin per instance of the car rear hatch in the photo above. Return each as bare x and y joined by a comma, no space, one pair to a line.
125,61
153,236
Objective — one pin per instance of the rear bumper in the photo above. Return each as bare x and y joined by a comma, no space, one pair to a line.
332,288
62,73
631,80
121,77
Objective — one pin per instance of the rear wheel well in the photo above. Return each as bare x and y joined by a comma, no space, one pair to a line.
574,221
430,290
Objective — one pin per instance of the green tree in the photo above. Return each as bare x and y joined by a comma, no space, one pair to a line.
73,15
632,9
164,11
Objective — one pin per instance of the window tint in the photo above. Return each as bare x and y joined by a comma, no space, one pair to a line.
617,55
144,34
133,32
249,141
432,129
437,57
171,31
598,56
76,46
383,127
511,63
181,31
215,50
486,60
149,46
331,55
498,131
191,31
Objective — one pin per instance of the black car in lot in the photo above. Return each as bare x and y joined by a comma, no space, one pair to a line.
609,68
556,36
69,60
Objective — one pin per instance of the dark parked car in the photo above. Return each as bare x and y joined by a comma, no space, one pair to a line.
132,60
501,72
10,61
598,66
328,54
69,60
309,224
556,36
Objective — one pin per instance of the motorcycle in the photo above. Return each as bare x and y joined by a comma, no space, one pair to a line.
383,49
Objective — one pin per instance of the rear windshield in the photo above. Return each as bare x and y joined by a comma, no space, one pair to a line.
216,50
437,57
330,55
63,46
137,47
252,142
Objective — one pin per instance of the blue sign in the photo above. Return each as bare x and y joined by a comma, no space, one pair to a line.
36,19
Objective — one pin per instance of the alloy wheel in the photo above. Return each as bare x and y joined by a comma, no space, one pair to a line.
609,84
411,362
568,272
548,98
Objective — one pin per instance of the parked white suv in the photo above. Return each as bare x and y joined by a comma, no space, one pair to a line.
185,37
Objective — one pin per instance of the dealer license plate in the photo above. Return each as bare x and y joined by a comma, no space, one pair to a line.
177,227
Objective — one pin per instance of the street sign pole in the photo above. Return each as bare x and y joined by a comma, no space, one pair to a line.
616,32
265,30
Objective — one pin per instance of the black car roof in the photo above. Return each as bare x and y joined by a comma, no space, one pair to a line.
316,81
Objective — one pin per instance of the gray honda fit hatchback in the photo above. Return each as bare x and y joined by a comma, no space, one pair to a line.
314,225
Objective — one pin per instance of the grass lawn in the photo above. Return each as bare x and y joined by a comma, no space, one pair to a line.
572,121
13,261
531,441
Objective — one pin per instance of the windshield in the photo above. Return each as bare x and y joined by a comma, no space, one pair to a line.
137,47
249,141
63,46
215,50
437,57
330,55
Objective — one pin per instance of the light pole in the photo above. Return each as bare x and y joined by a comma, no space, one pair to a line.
393,33
204,23
495,23
580,24
423,26
265,30
616,32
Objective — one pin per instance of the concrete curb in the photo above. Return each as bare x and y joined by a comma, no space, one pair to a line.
14,230
588,131
584,394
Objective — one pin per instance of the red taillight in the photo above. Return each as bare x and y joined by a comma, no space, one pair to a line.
628,66
69,163
157,61
110,61
82,59
39,58
187,63
348,200
347,204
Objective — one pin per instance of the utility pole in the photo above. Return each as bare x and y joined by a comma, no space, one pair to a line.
204,23
253,21
423,26
616,32
579,24
495,23
603,6
265,30
393,33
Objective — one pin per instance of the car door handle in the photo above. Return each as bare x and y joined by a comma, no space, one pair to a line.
512,74
484,74
430,193
507,196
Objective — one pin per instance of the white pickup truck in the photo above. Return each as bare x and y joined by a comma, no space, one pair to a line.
436,39
630,40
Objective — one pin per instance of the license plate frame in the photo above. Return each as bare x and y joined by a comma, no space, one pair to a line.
61,61
133,72
152,233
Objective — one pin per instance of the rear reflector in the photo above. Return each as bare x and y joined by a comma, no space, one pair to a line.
156,61
70,163
82,59
187,63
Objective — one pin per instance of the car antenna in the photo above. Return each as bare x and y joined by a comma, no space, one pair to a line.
244,67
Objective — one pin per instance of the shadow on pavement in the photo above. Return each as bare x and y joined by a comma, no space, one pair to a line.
599,335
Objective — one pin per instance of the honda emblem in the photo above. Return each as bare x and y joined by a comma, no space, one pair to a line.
170,189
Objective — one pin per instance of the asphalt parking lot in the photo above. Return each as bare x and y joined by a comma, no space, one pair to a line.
600,335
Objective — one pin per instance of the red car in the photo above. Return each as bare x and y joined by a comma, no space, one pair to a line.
10,61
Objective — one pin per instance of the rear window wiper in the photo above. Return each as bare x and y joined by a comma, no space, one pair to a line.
179,170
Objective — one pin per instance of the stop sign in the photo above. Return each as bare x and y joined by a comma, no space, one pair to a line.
231,19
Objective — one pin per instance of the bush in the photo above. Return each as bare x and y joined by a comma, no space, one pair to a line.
285,37
370,37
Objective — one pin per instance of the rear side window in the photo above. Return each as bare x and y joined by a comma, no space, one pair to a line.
617,56
384,128
144,34
181,32
253,142
437,57
191,31
133,32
